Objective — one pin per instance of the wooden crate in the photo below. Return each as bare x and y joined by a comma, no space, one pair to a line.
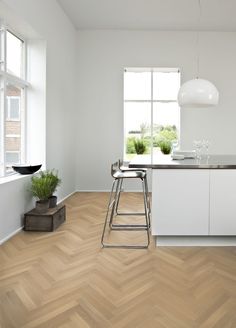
48,221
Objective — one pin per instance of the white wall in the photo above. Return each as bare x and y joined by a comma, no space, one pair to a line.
53,26
48,19
15,200
101,58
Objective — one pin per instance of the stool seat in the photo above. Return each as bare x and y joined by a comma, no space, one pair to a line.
123,167
129,174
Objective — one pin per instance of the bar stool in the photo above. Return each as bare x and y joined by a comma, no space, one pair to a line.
124,168
112,210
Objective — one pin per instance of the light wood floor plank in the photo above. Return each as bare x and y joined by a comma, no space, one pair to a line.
65,280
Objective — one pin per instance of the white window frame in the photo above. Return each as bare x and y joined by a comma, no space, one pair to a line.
151,101
12,136
20,82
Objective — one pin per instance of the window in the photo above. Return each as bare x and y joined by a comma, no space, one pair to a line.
13,87
14,54
151,111
13,108
12,157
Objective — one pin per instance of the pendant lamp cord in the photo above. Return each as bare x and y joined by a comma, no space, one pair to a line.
198,31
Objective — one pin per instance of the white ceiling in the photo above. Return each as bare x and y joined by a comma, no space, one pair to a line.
217,15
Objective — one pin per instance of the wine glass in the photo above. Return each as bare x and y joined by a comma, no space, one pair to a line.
198,148
206,145
174,145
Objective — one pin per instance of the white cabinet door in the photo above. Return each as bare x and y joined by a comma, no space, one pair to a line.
223,202
180,202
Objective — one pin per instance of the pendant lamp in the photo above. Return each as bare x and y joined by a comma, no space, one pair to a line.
198,92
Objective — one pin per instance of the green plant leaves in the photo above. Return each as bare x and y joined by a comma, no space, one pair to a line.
44,185
140,146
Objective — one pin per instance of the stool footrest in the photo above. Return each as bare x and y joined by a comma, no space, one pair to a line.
125,246
130,213
128,229
129,225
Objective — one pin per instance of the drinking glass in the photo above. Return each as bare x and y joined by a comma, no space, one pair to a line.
198,147
206,145
174,145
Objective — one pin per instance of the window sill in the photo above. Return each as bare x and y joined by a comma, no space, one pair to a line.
13,177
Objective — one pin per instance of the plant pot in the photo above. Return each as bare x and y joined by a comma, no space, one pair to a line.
42,206
165,153
52,201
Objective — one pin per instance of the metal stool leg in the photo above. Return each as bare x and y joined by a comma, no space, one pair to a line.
118,200
134,227
147,213
114,205
148,200
110,204
125,213
148,196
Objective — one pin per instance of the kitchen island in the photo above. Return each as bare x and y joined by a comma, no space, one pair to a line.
193,201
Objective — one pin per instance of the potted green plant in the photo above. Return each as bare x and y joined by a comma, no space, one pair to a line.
54,182
41,190
140,146
165,146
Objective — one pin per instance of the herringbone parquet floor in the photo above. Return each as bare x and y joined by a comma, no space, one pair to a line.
64,279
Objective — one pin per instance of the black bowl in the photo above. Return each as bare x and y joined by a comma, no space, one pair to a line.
26,169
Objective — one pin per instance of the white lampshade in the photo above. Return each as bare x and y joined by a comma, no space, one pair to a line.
198,93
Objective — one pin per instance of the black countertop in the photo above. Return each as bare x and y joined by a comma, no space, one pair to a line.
166,162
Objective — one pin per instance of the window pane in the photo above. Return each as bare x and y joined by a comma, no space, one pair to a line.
165,123
14,54
166,85
166,113
1,50
137,85
13,126
137,117
12,158
13,108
